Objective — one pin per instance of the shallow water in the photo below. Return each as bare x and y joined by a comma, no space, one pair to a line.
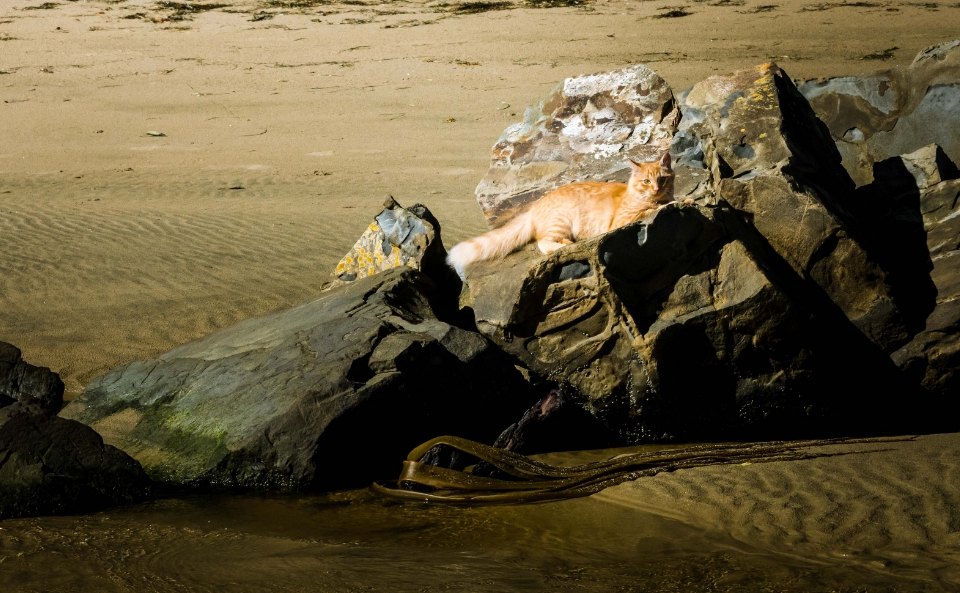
355,541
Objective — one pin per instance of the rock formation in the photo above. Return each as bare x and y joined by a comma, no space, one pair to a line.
932,357
899,134
397,237
768,309
885,114
328,394
806,285
585,129
50,465
774,162
25,383
687,326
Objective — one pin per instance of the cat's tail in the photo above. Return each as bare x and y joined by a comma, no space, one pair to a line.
495,243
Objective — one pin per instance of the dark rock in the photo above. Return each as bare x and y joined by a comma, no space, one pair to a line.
899,133
49,465
554,423
932,357
22,382
687,326
331,393
585,129
774,162
891,212
879,116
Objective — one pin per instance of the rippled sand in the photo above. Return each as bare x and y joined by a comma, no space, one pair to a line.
890,509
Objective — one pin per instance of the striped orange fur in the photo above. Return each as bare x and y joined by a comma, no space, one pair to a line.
573,212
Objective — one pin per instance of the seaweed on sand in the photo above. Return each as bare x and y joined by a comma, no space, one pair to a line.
477,6
672,13
182,11
830,5
761,8
474,7
298,3
554,3
884,54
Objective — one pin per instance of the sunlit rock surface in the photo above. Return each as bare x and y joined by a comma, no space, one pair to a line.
877,116
585,129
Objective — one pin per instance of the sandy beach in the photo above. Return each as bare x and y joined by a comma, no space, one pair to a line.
169,168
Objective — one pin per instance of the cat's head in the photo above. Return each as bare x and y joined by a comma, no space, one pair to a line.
652,180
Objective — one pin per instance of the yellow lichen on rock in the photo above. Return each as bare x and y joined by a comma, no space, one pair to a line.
397,237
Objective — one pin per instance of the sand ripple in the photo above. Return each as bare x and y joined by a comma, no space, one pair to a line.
895,511
132,269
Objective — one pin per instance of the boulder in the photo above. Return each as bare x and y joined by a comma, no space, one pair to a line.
882,115
586,128
932,357
899,134
687,326
774,162
768,308
28,384
328,394
50,465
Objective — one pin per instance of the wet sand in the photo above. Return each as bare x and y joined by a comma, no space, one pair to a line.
871,518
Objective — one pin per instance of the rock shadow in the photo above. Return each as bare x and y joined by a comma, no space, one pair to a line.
893,230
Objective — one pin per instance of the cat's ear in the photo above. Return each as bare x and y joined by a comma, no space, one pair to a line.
665,160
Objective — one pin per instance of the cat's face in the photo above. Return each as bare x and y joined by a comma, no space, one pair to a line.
652,179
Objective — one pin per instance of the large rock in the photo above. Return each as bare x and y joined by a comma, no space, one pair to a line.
28,384
899,134
932,357
331,393
768,309
882,115
774,162
586,128
688,326
50,465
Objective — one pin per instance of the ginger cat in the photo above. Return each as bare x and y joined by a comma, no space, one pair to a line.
572,212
